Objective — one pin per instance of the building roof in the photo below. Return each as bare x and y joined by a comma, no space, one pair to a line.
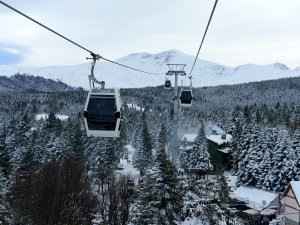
253,197
218,140
295,185
224,150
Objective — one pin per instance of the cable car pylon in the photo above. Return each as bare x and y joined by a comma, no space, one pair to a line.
176,70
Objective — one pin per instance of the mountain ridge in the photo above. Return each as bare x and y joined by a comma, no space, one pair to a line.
25,82
205,73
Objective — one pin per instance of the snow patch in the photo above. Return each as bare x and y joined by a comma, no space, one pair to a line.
45,116
133,106
127,166
189,137
231,181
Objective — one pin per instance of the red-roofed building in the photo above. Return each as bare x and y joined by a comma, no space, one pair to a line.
290,201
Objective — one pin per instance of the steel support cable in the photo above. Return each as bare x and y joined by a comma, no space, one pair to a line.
78,45
211,15
132,68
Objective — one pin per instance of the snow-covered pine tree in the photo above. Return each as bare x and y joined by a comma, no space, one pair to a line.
249,164
296,148
162,140
5,166
143,155
122,141
137,130
22,131
234,145
184,151
73,137
284,165
199,156
142,211
223,189
266,145
26,164
160,195
167,190
3,185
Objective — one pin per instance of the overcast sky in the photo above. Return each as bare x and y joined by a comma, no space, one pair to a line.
242,31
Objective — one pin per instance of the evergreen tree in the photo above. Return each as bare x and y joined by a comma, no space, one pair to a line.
235,144
160,199
162,140
143,154
184,152
4,158
199,156
284,168
266,146
26,164
142,211
22,132
296,148
73,137
250,157
223,190
167,190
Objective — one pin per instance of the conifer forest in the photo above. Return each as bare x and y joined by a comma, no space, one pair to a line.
51,173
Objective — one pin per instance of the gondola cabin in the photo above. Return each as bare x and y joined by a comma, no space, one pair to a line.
102,113
186,98
168,84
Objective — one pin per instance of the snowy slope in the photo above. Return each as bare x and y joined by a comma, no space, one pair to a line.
205,73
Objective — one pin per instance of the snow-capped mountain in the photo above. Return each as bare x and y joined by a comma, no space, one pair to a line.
205,73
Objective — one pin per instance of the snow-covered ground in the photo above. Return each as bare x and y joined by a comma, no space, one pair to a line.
45,116
136,107
127,166
231,181
189,137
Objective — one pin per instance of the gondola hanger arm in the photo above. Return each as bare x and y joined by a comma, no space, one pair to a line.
92,78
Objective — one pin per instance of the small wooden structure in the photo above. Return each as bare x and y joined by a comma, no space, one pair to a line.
218,149
290,201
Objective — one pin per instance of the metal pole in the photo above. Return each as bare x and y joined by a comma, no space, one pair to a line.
175,124
176,70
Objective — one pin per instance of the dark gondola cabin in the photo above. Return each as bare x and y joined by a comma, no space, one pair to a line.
102,113
168,84
186,98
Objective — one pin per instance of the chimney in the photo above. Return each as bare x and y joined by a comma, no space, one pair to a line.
223,136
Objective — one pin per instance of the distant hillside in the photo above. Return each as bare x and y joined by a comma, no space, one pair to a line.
22,82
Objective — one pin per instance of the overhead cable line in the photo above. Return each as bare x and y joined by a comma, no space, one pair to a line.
211,15
132,68
78,45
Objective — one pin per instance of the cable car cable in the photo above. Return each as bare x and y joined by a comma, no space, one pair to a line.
211,15
67,39
132,68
